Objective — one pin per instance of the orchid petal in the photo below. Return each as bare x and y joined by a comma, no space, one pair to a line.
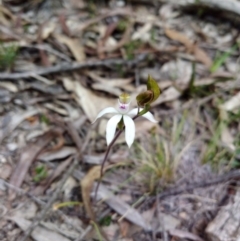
108,110
111,127
129,130
134,111
150,117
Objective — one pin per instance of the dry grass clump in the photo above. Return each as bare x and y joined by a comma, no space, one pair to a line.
157,157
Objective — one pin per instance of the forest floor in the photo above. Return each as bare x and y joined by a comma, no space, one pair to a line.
61,62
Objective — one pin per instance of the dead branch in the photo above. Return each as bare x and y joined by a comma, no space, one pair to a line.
63,67
235,174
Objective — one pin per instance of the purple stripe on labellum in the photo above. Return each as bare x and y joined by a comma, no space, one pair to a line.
123,106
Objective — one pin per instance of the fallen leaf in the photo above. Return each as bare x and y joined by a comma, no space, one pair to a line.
119,82
34,134
63,228
232,103
227,138
199,54
55,108
5,171
122,208
27,156
13,120
168,221
175,35
86,185
96,160
202,56
27,210
107,88
143,33
6,17
205,81
68,84
68,187
169,94
124,228
57,154
39,233
9,86
90,102
184,235
74,45
47,29
112,86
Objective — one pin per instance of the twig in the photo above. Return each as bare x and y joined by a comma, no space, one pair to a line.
178,190
63,67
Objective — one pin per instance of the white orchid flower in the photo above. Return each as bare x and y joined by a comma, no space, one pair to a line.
122,112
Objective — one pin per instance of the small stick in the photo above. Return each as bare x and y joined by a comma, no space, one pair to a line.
63,67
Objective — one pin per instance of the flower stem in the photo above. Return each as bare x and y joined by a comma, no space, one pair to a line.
106,156
104,160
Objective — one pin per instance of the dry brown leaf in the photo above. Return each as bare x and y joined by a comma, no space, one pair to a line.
90,102
27,156
124,228
74,45
175,35
200,54
5,15
86,185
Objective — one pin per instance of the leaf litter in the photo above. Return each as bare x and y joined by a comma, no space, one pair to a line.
198,112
